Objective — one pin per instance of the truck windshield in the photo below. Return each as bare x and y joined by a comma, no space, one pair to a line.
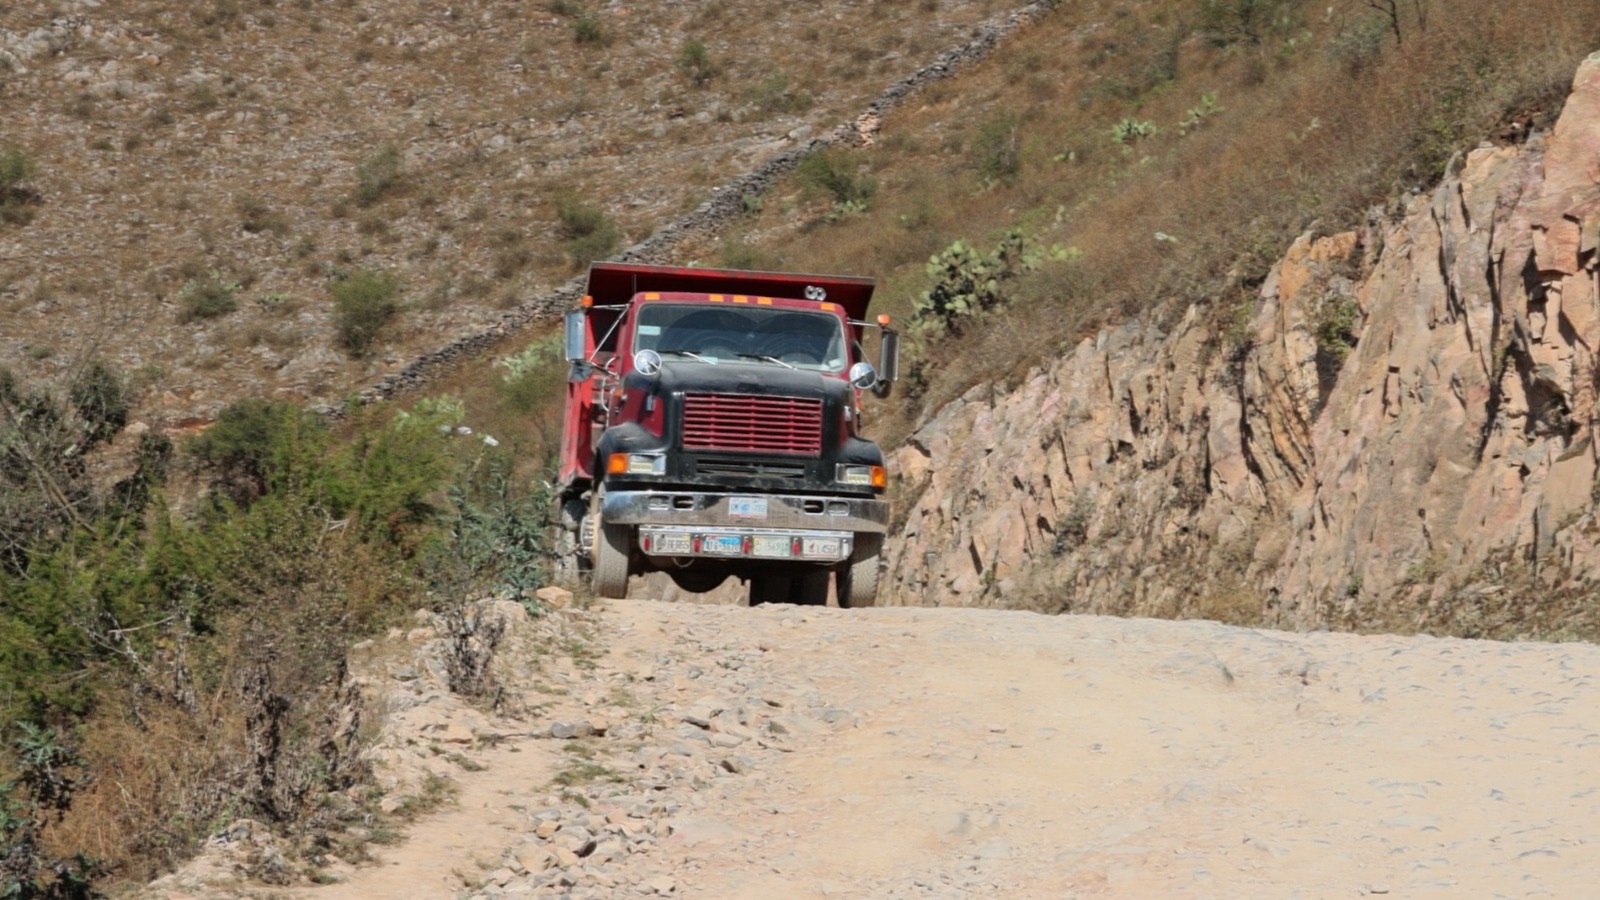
804,340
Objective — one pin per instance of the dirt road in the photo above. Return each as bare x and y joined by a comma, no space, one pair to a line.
793,752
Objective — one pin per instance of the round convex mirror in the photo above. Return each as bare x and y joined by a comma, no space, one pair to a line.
863,376
647,362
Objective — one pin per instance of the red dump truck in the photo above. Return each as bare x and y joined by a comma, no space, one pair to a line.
713,430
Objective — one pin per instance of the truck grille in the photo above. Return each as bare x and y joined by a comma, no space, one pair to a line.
756,423
750,468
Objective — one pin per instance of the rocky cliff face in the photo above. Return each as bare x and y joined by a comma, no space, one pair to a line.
1409,412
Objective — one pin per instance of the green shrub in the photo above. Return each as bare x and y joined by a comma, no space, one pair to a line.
99,394
1229,22
378,174
46,489
694,61
1131,131
774,95
966,281
16,167
179,648
588,232
502,530
1360,43
586,29
1196,116
50,771
207,298
257,217
256,446
827,171
534,377
735,254
999,151
364,302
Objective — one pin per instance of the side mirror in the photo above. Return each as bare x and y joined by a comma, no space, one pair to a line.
577,336
647,362
888,362
863,376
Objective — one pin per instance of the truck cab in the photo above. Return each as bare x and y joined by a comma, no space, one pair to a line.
712,430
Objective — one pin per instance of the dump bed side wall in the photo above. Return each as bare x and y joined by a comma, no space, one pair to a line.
617,283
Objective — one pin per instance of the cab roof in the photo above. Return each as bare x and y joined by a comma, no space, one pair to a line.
615,284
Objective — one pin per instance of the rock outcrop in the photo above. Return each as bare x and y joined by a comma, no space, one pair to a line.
1410,407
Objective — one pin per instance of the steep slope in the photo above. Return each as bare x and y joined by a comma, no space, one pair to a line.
1410,411
261,150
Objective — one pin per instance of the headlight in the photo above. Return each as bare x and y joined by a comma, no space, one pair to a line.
636,464
864,476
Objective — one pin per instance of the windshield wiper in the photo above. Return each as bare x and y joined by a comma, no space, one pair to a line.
764,358
689,353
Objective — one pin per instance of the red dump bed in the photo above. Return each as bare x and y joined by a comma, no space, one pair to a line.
613,284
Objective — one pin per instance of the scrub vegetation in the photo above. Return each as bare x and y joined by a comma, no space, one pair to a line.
166,669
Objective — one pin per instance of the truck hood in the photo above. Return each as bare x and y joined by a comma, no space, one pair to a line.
747,378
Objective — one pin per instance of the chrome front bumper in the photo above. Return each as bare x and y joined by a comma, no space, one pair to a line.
746,512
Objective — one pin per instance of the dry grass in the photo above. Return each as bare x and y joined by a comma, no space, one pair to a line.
289,135
161,783
1321,121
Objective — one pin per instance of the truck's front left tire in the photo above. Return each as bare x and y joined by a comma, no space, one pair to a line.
611,561
572,557
857,583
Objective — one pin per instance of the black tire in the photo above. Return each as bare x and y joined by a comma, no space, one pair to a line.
857,582
572,558
769,589
697,582
810,589
610,576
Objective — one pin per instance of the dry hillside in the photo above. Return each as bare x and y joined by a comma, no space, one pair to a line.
203,171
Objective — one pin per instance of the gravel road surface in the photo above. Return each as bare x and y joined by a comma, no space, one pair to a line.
798,752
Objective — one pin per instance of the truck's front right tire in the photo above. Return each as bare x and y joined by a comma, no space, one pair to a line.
611,561
857,584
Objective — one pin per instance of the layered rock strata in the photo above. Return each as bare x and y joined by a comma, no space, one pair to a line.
1408,405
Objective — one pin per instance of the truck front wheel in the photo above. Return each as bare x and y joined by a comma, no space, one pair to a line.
611,561
572,557
857,584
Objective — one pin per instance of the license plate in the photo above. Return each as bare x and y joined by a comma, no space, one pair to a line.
747,507
722,544
769,546
827,548
669,544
